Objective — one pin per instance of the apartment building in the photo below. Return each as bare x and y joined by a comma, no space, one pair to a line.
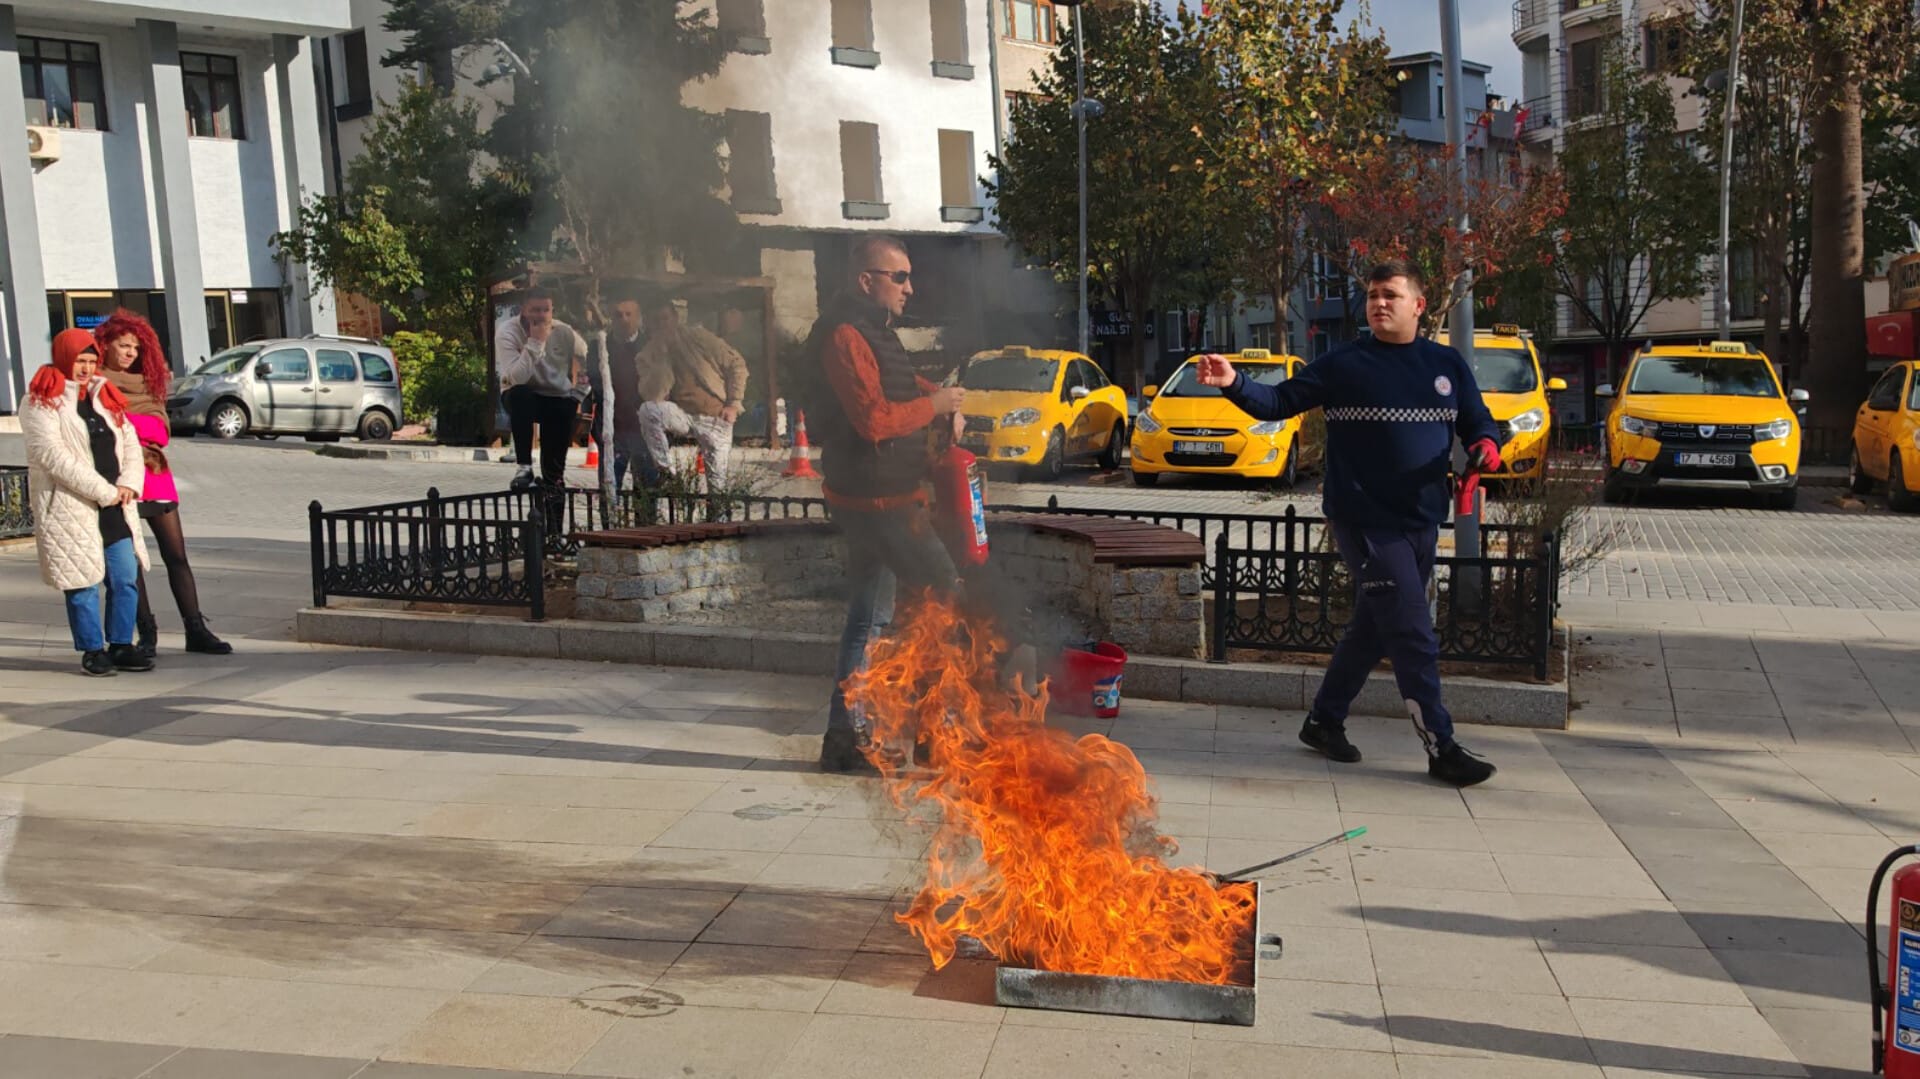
164,144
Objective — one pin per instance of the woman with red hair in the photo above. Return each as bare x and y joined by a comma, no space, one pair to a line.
85,471
134,363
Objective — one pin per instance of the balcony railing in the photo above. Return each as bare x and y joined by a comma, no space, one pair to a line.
1529,15
1534,115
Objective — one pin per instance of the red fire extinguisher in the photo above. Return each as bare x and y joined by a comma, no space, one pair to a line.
1896,1001
960,506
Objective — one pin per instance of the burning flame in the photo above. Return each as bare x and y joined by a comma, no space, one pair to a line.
1045,851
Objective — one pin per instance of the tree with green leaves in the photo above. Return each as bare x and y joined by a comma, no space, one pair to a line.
1890,140
422,221
1640,208
1148,223
1302,98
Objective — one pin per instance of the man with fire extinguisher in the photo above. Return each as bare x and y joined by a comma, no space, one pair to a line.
871,414
1394,404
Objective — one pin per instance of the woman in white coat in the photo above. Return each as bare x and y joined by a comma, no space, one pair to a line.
85,472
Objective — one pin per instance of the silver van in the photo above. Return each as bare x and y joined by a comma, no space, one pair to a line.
321,387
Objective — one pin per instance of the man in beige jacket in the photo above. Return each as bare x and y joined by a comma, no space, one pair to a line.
708,382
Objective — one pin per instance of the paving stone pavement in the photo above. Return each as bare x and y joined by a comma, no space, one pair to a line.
303,861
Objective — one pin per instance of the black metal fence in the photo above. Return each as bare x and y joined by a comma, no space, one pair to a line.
16,513
485,549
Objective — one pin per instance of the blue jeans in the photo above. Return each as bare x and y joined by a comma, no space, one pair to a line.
123,603
1390,620
631,448
885,549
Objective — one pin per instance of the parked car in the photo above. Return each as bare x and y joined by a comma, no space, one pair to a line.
1187,427
314,386
1886,438
1508,371
1040,408
1710,417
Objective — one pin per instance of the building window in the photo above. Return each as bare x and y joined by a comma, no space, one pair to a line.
956,170
356,83
1032,20
1324,279
860,169
1666,43
743,25
1583,79
63,84
213,95
750,162
1260,335
853,24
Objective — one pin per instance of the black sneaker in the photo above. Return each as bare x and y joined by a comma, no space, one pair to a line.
840,753
522,480
97,664
1331,741
127,657
1455,765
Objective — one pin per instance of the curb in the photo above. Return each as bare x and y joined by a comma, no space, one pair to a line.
408,453
1159,678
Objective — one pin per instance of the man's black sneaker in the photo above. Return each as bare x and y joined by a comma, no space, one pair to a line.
127,657
97,664
1331,741
1455,765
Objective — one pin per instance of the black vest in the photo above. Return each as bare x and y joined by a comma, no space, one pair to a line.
854,466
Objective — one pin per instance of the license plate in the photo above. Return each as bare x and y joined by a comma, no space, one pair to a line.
1199,447
1706,460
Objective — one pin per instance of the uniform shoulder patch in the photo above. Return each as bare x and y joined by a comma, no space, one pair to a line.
1443,386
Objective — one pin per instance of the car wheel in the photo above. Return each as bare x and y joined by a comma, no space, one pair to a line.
1290,472
375,427
1145,479
1613,492
1110,457
1857,479
1899,499
1055,462
227,420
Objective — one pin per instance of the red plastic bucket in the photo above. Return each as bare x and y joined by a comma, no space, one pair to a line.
1087,682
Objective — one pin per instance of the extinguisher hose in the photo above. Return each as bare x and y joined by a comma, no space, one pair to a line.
1881,996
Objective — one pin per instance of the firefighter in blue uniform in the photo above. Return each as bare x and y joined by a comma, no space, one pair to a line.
1394,404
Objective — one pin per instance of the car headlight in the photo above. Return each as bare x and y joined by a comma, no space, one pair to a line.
1634,425
1021,417
1529,421
1267,427
187,385
1146,424
1767,432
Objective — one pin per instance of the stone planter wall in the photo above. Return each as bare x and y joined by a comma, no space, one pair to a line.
1147,610
654,585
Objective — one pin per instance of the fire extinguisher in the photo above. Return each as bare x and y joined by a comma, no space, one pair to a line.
1896,1001
960,506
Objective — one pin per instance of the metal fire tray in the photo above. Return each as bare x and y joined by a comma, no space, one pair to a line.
1022,987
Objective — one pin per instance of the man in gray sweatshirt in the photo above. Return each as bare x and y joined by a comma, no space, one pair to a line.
539,359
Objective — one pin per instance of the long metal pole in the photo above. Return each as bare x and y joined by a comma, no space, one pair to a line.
1466,526
1726,175
1080,117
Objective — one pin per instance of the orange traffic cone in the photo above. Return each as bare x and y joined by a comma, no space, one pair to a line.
593,455
798,463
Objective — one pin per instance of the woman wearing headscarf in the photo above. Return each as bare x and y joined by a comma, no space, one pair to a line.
131,359
85,473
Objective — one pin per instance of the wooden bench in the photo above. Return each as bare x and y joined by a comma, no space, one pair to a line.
1118,541
652,536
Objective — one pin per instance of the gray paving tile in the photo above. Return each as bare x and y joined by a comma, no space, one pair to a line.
223,1064
24,1057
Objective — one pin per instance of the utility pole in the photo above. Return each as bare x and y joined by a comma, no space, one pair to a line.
1466,526
1726,176
1080,124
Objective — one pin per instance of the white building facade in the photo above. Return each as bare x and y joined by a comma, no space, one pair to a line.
164,145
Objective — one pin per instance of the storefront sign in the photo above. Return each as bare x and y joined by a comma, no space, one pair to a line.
1903,283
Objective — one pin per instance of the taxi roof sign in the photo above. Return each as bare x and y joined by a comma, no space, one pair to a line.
1738,347
1256,354
1506,329
1017,352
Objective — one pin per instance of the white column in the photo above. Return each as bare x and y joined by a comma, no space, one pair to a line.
23,279
310,310
180,268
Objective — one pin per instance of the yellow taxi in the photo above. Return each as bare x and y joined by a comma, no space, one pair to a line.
1886,438
1709,417
1508,371
1040,408
1186,427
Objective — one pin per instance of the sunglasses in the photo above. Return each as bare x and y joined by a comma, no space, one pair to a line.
898,277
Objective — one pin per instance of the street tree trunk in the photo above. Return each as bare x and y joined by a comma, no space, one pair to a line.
1836,362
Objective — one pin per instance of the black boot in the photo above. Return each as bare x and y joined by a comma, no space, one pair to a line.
1454,764
201,639
97,664
148,640
1329,739
126,657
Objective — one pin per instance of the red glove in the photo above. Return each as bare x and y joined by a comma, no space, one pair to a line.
1484,456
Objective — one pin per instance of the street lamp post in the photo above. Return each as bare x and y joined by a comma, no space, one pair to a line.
1726,176
1466,524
